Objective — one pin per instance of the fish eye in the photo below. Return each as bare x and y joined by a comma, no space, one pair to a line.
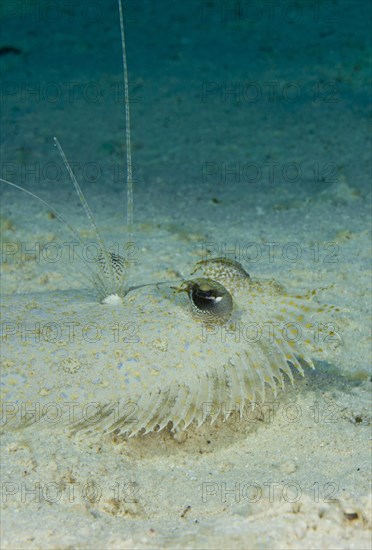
210,301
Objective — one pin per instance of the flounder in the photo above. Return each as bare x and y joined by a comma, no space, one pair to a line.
160,358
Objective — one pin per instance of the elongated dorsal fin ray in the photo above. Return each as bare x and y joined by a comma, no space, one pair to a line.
112,276
58,215
127,128
87,210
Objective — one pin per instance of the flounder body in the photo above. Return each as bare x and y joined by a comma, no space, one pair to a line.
152,361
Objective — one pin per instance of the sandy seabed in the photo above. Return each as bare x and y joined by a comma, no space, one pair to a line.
251,139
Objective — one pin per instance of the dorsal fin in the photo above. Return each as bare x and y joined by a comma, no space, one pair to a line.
111,280
127,128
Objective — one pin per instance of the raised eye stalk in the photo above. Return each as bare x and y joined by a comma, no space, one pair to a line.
210,301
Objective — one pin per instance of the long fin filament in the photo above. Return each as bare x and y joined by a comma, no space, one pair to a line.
127,128
112,276
89,213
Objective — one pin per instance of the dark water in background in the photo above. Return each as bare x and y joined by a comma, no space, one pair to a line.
232,102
